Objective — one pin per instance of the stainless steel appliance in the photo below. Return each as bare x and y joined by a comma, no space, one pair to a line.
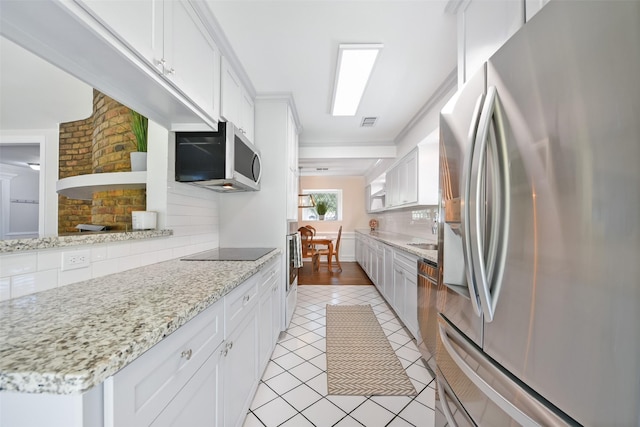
540,231
224,161
294,262
427,310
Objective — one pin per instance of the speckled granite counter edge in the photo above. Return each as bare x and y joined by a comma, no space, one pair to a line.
18,245
400,241
22,371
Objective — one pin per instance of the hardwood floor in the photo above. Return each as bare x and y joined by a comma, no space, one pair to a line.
351,274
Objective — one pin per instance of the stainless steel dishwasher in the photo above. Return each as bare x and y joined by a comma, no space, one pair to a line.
427,310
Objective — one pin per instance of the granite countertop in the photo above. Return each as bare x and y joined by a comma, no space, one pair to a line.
401,241
70,339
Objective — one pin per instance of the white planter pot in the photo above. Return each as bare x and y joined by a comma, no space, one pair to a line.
138,161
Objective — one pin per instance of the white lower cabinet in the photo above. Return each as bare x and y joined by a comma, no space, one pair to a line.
405,272
394,272
270,314
197,404
240,366
137,394
206,372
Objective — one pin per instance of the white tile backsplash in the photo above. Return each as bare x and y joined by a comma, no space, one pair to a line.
30,283
73,276
12,265
49,259
98,253
5,288
412,222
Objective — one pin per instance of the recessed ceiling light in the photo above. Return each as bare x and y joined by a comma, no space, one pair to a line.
355,63
34,166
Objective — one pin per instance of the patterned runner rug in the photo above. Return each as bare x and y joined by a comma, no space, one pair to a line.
360,360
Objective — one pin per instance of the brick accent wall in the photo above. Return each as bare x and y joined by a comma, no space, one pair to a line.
110,142
74,158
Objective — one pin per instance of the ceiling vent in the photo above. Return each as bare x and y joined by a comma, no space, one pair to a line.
368,122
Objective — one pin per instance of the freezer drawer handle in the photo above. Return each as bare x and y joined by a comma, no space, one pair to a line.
445,391
445,405
515,413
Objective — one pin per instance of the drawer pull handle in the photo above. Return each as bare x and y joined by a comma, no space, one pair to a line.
186,354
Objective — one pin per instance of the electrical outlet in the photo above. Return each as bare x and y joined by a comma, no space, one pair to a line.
75,259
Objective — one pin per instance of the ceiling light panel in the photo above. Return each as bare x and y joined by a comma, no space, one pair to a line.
355,63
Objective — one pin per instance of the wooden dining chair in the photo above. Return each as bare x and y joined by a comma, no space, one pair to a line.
308,248
335,252
313,229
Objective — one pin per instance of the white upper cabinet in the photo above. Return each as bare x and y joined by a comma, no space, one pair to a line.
484,26
191,58
172,40
139,24
237,106
413,181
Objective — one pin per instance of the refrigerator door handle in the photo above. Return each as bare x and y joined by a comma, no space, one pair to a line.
509,408
490,281
466,211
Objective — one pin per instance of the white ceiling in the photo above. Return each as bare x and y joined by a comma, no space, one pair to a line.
287,46
292,46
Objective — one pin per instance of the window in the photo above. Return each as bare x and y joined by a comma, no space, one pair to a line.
333,198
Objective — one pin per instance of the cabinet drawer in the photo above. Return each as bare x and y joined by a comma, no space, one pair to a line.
139,392
406,261
239,303
268,275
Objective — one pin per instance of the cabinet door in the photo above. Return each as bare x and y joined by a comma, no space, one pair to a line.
397,302
411,302
487,26
247,114
138,24
230,94
192,58
240,370
392,187
410,181
388,287
197,403
266,328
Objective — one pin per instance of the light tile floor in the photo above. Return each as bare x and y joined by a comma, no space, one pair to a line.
293,390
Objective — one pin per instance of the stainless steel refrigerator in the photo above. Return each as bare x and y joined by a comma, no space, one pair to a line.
539,315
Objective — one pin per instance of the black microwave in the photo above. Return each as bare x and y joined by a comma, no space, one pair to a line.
224,160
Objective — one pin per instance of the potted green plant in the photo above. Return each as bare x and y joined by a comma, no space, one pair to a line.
321,208
139,128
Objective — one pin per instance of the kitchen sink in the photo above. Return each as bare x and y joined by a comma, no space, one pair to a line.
425,246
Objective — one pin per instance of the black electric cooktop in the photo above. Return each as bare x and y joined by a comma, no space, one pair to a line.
230,254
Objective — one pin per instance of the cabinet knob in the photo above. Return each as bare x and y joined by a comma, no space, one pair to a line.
171,72
224,352
230,345
186,354
247,298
